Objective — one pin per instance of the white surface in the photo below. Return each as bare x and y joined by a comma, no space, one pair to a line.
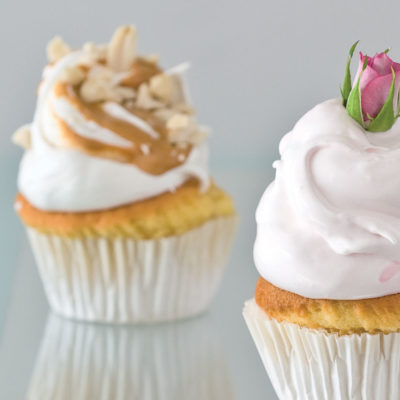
176,361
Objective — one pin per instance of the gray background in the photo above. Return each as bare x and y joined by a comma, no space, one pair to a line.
257,66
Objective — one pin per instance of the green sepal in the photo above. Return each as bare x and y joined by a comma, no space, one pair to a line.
386,117
353,105
346,89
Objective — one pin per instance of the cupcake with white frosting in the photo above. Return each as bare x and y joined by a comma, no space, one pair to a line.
124,221
326,312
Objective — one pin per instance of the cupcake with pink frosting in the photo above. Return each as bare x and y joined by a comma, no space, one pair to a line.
326,313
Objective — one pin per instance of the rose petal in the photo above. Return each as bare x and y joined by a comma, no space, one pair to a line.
382,63
368,74
359,69
375,93
396,67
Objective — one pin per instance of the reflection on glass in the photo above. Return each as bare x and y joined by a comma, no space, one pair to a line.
172,361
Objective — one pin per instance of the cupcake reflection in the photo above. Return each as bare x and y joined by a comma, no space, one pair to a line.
175,361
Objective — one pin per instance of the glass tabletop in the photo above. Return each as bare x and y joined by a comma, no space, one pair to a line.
43,356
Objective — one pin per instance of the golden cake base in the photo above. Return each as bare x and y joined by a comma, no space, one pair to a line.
381,314
166,215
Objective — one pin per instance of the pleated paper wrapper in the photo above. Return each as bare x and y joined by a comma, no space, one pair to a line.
177,361
306,364
122,280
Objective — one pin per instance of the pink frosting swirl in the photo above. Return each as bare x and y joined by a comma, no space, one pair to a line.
329,224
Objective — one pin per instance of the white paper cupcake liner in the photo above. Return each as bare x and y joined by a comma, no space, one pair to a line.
79,361
306,364
123,280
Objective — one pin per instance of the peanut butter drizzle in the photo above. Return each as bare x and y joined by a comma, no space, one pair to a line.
142,71
162,155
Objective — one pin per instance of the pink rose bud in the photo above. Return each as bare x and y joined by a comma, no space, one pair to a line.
375,83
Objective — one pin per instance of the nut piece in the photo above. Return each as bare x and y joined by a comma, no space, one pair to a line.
73,75
22,137
121,51
153,59
183,129
164,114
100,86
98,52
179,128
161,87
122,93
184,108
97,85
178,122
93,90
145,100
57,49
100,72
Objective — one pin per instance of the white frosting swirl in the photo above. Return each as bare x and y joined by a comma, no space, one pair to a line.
55,178
329,225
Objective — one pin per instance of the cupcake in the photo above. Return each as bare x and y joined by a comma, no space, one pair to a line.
124,221
326,313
